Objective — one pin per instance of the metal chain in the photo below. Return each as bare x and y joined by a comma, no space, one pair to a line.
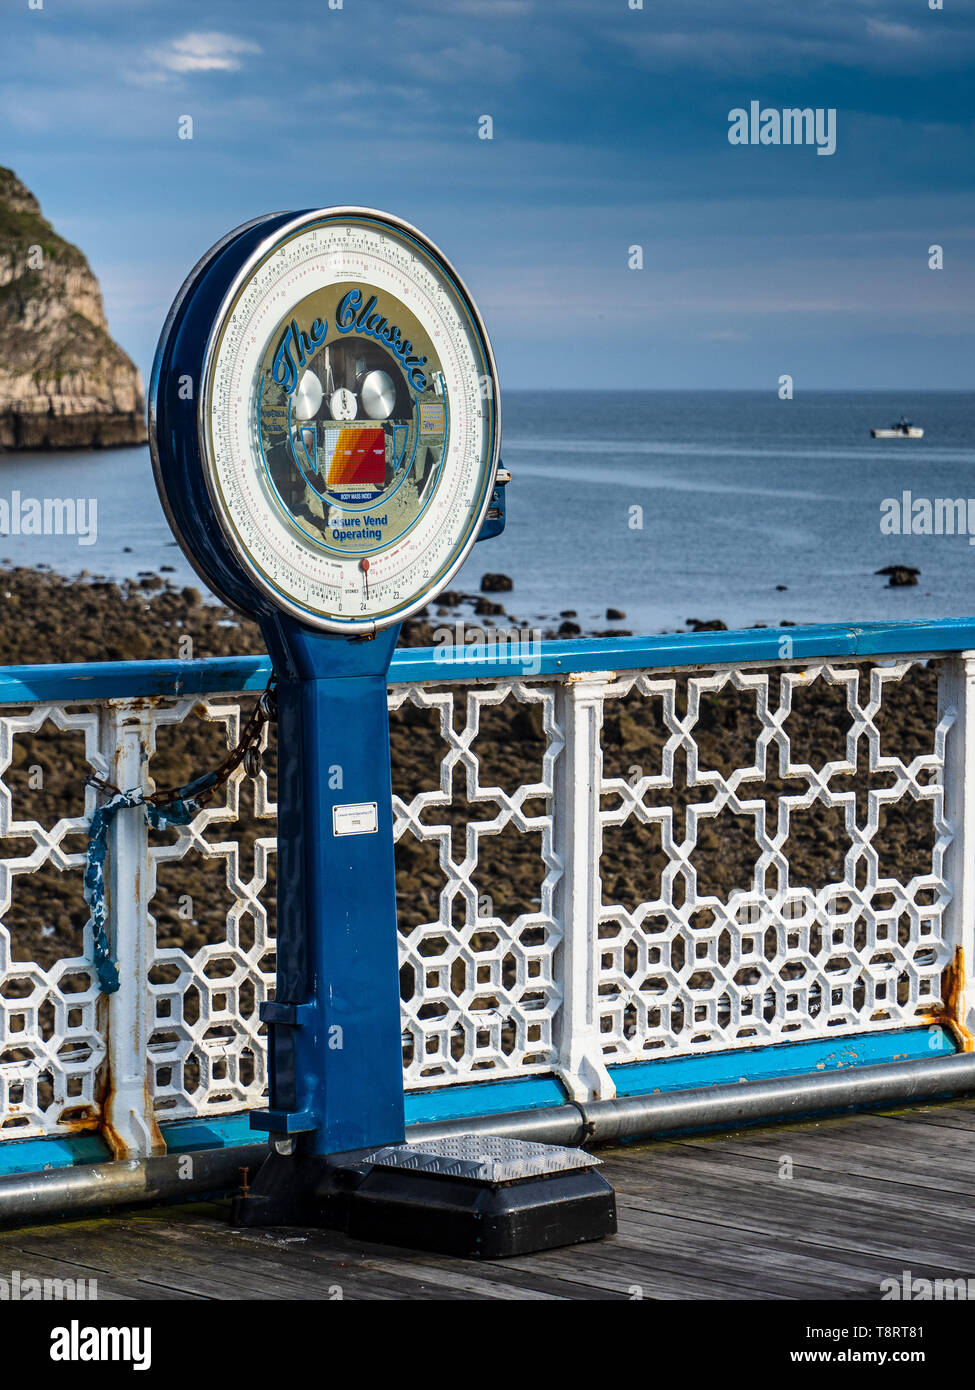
201,789
169,806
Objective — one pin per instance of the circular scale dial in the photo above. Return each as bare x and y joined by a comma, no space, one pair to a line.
347,422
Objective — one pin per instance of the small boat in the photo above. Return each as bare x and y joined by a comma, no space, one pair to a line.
902,430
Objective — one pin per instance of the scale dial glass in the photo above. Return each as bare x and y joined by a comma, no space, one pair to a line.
349,414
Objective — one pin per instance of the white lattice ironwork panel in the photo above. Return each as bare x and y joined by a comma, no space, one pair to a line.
778,959
51,1044
479,994
207,1050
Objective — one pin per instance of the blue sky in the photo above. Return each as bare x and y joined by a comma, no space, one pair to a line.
610,129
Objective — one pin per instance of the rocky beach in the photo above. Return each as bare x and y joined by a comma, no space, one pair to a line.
47,618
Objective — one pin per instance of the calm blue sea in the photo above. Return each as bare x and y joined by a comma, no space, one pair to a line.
740,492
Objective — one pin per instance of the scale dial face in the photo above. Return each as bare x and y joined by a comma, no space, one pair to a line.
349,420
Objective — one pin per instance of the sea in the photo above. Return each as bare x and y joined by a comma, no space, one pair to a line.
668,506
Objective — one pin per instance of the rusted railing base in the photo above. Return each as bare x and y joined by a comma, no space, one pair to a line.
89,1187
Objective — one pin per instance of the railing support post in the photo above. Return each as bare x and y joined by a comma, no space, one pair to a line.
956,692
578,840
128,1124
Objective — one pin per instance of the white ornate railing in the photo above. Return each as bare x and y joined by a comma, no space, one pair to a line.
591,902
481,995
858,951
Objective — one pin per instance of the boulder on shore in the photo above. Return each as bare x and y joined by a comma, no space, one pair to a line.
496,584
900,576
712,625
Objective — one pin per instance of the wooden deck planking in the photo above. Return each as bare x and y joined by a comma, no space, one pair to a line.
934,1115
756,1210
841,1269
700,1218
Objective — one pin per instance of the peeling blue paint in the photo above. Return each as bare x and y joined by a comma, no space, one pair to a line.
782,1059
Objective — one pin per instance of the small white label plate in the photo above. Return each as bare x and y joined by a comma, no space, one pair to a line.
358,818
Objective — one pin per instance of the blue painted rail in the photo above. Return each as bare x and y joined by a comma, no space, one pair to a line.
124,680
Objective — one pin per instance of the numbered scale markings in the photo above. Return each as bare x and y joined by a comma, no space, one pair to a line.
348,422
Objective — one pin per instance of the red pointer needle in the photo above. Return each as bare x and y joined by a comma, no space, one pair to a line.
364,566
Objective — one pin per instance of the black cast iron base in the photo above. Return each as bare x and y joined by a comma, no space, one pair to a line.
479,1210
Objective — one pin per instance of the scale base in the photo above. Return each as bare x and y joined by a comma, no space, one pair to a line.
475,1196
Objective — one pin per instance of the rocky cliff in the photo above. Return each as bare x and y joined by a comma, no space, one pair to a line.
64,384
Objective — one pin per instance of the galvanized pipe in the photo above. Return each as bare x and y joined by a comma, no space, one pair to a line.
91,1187
722,1107
95,1186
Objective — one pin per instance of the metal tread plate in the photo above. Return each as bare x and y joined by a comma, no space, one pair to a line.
483,1157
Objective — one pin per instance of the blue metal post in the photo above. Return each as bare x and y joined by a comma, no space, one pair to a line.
335,1045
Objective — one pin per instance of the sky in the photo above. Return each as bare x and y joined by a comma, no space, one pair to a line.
610,130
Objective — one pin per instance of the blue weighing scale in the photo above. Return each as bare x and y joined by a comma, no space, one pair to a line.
325,434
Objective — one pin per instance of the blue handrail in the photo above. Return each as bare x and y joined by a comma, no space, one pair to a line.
103,680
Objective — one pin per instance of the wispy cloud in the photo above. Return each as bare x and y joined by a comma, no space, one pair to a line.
883,29
203,52
461,62
493,10
835,34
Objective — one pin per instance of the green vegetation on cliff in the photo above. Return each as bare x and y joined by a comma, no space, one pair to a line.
22,225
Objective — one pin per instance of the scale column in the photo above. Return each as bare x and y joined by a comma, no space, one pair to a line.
335,1033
